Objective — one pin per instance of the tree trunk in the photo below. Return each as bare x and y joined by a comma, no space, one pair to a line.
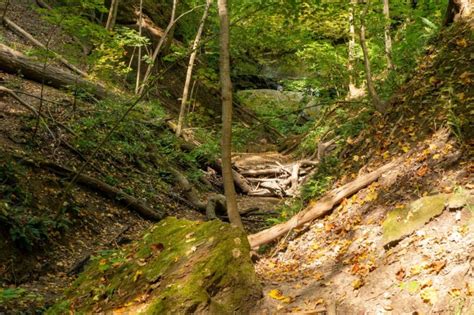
112,15
226,90
189,74
169,39
15,62
351,48
388,38
21,32
139,61
159,46
378,104
457,9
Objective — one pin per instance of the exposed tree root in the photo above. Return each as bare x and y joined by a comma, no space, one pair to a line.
214,203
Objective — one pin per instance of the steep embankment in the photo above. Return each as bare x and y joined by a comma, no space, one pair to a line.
404,243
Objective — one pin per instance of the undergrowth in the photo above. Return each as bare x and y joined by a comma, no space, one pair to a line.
24,220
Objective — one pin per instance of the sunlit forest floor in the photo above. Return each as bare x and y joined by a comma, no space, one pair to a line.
403,244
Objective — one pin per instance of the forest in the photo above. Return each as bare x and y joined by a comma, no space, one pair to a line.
236,157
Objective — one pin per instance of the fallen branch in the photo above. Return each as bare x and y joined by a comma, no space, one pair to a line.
13,61
105,189
321,208
21,32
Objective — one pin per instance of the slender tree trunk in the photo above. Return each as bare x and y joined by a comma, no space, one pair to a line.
226,88
159,45
112,15
388,38
169,39
139,61
351,48
378,104
189,74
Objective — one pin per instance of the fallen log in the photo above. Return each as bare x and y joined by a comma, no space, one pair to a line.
15,62
21,32
321,208
105,189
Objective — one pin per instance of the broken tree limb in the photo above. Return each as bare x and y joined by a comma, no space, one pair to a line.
321,208
97,185
15,62
21,32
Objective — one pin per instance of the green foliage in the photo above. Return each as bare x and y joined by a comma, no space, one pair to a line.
9,296
26,224
287,210
322,180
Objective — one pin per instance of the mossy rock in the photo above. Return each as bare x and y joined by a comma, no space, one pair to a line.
401,222
178,267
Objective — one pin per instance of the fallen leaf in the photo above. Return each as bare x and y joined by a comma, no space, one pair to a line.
436,266
412,287
455,292
400,274
137,275
422,171
429,295
426,283
470,288
319,302
358,283
414,270
461,42
278,295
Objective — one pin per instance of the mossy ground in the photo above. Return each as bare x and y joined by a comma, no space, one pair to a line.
178,266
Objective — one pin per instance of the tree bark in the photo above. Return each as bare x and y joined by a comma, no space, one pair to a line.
388,38
226,91
15,62
321,208
351,49
139,61
158,47
457,9
21,32
112,15
378,104
189,73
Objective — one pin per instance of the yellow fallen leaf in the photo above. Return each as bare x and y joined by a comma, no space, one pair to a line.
461,42
429,295
319,302
357,283
470,288
455,292
137,275
278,295
356,158
415,270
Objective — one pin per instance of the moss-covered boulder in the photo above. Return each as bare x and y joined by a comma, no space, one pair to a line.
401,222
178,267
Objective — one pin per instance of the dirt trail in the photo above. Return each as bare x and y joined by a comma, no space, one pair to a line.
343,264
